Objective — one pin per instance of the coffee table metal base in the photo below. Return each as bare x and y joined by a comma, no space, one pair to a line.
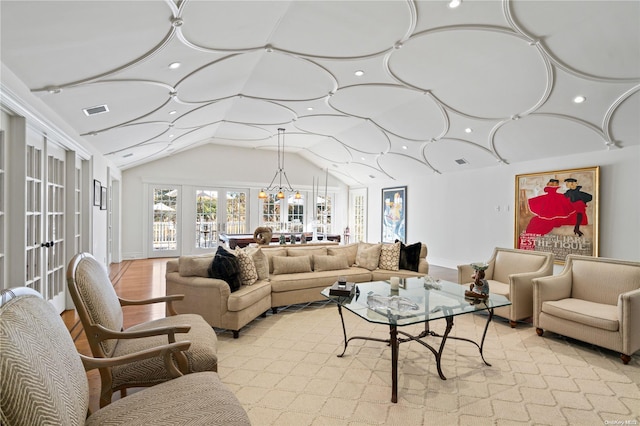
394,342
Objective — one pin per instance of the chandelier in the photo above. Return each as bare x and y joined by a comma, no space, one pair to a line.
279,174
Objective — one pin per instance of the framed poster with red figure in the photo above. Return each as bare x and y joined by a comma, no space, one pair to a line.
557,212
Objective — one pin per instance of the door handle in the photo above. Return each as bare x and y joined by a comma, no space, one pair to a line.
47,244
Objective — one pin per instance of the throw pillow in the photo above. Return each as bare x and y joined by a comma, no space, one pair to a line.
307,251
260,261
410,256
225,267
291,265
390,257
350,251
195,266
248,272
329,263
368,255
271,253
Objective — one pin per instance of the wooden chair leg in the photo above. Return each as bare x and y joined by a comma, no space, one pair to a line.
539,331
512,324
625,358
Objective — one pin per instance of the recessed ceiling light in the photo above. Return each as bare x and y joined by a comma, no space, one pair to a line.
359,73
174,65
468,130
579,99
172,112
454,3
309,108
404,147
170,136
362,158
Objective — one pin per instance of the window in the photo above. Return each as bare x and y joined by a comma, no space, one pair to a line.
164,219
206,218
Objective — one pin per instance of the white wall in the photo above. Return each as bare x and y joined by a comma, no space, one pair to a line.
455,214
215,165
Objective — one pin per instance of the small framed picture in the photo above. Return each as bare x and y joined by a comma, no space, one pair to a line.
103,198
97,192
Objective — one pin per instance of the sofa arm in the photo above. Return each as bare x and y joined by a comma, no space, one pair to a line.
423,266
207,297
173,265
464,274
556,287
521,292
629,314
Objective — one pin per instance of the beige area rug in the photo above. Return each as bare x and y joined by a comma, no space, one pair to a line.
284,370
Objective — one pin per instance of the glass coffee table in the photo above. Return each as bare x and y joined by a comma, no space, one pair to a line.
420,301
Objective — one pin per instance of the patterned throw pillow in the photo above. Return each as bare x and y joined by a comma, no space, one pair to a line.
248,272
390,257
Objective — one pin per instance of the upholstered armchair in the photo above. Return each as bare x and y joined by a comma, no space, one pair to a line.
44,380
595,300
510,273
100,311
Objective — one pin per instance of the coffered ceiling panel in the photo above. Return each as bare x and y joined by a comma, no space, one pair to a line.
382,89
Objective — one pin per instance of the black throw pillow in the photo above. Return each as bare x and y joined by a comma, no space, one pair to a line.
225,267
410,256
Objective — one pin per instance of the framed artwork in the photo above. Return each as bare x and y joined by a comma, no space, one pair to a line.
103,198
557,212
394,214
97,192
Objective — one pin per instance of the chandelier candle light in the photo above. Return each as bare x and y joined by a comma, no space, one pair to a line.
279,174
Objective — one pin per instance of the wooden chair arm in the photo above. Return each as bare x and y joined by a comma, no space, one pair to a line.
101,333
159,299
165,351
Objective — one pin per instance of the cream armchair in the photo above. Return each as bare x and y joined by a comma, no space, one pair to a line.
595,300
510,273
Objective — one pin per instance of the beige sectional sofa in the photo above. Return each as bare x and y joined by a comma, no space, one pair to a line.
286,275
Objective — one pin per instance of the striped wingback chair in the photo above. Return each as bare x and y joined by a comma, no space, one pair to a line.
44,380
100,311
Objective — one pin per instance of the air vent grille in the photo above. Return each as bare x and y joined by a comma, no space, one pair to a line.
98,109
461,161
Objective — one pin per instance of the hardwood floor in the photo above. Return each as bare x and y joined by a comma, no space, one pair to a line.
142,279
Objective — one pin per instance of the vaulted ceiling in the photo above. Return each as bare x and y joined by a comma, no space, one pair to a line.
367,89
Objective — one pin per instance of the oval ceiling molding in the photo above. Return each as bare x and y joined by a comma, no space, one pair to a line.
89,40
396,165
627,112
133,135
497,74
585,26
330,150
454,155
300,27
260,74
540,136
397,109
356,133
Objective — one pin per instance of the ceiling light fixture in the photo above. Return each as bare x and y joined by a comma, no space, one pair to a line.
279,174
454,3
359,73
468,130
579,99
404,147
309,108
174,65
172,112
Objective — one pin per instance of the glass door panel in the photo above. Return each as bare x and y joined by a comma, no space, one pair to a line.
164,224
236,212
206,221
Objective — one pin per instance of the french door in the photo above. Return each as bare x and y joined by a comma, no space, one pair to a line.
165,226
45,218
215,211
357,215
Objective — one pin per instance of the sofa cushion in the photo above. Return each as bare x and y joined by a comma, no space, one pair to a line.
508,263
307,251
271,253
410,256
368,255
598,315
291,265
260,261
349,251
195,266
225,267
329,263
304,281
389,256
248,273
248,296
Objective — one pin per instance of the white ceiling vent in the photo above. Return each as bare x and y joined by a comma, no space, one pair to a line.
461,161
99,109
